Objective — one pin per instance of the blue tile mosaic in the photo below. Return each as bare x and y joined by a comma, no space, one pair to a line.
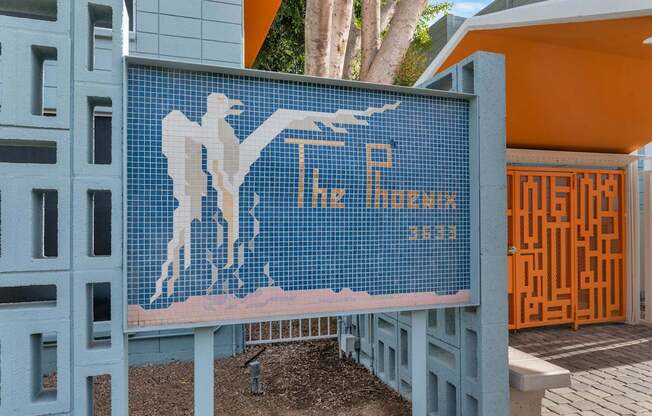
384,206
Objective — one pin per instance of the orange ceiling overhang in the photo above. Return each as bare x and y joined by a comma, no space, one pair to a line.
258,18
573,86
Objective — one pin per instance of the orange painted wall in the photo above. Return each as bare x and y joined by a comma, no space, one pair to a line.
258,17
570,98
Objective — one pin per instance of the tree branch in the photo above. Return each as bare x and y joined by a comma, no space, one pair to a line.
370,34
386,13
387,61
352,49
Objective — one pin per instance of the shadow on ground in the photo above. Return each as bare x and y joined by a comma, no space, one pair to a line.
610,364
590,347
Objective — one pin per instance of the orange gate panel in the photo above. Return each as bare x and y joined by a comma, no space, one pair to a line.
600,223
566,246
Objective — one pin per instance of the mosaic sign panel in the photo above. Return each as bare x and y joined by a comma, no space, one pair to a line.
252,198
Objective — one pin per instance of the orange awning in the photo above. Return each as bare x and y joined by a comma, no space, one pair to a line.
571,85
258,18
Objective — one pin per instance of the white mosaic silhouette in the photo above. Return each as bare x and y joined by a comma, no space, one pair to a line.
229,162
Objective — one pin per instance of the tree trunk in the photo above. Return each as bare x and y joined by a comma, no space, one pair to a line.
352,49
340,32
319,14
370,34
353,46
388,60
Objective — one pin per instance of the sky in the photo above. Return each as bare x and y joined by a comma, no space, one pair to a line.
467,8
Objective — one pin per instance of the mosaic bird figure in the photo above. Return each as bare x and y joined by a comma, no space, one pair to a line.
229,162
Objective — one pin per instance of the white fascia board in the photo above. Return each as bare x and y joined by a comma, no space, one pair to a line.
547,12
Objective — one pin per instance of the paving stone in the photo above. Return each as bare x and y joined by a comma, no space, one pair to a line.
645,404
605,412
610,364
621,399
584,405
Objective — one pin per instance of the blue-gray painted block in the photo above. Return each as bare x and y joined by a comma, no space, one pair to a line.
180,47
146,43
83,63
222,12
71,272
180,26
91,353
61,138
220,31
24,87
404,358
221,51
146,22
147,5
83,376
443,362
103,50
486,77
187,8
386,350
82,258
24,314
222,63
61,25
17,356
144,346
84,129
444,324
49,85
20,219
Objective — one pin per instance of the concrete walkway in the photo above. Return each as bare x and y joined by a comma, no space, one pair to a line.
611,368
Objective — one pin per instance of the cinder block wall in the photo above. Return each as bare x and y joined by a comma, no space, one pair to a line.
61,215
50,269
467,347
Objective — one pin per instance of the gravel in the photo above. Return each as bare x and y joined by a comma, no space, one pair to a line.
299,379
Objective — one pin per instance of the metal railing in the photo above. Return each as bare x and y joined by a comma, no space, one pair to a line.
269,332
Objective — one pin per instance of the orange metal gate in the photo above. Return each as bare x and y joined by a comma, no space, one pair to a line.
566,260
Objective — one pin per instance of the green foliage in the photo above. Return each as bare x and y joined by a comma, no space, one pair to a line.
283,49
421,35
416,57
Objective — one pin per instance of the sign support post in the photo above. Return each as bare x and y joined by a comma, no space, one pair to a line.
419,363
204,388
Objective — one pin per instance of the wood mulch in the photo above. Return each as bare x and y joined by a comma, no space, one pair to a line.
299,379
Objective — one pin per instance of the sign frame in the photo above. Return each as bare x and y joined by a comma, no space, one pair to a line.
474,191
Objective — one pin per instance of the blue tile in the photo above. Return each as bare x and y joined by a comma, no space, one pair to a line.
356,246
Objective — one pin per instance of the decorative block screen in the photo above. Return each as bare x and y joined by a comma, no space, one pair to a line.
251,198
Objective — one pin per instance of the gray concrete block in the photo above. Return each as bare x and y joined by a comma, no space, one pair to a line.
222,12
146,22
222,51
146,43
147,6
83,259
188,8
180,47
220,31
180,26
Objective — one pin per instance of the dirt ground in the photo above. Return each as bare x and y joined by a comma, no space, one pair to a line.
299,379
